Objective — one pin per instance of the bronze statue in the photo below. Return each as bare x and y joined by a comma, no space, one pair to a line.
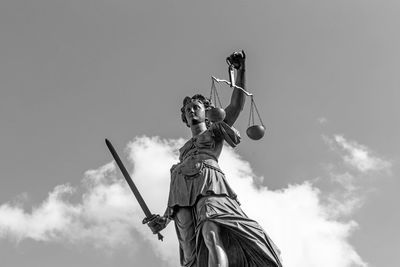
211,227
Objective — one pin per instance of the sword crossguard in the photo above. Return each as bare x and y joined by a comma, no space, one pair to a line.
149,218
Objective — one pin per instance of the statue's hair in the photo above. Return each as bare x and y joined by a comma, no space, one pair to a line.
198,97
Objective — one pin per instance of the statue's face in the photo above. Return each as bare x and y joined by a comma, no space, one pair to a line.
195,112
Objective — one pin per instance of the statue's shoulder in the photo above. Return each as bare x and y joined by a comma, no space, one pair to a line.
224,131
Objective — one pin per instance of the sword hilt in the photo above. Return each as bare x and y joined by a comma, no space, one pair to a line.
150,218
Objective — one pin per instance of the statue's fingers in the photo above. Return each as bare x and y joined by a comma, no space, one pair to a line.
154,231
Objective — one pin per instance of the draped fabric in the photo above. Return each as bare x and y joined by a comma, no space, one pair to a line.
244,240
200,192
198,173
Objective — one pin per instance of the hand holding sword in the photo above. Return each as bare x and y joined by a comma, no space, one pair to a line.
155,222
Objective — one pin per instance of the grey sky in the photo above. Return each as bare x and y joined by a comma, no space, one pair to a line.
75,72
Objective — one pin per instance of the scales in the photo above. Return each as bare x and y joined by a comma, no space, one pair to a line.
254,131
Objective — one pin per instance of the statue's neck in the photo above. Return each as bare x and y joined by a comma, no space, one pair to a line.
198,128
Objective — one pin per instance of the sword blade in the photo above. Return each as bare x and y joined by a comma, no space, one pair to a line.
128,179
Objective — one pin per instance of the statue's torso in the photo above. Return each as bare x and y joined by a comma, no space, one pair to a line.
198,173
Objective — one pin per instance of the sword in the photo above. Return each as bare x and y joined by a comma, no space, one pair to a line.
135,191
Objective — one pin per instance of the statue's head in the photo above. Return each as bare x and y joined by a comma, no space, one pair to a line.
194,109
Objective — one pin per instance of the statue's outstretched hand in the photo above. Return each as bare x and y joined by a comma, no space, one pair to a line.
237,59
156,223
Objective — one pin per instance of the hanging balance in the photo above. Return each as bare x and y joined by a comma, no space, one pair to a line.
217,113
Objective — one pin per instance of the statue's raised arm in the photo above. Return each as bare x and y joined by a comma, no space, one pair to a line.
238,61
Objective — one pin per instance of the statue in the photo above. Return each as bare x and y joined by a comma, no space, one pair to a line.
210,225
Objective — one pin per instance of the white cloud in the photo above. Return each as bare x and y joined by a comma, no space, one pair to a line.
322,120
359,162
296,217
346,199
306,226
357,156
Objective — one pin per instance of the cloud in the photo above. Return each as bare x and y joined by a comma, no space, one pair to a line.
101,218
347,198
357,156
358,163
308,230
322,120
306,226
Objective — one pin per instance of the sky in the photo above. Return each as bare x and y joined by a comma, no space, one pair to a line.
322,182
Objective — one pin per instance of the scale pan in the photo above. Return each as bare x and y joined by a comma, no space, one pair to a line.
255,132
215,114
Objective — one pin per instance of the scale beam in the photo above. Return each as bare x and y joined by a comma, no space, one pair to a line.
232,85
